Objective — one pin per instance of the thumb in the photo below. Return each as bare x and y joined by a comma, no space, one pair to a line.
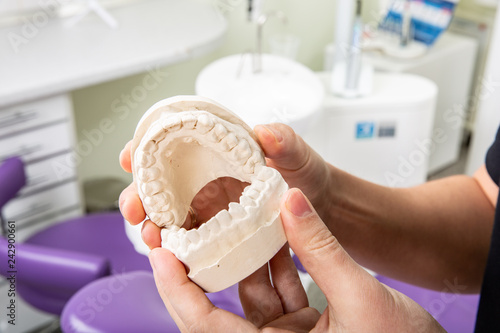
333,270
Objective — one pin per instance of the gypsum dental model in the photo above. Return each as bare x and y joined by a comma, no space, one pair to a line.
180,145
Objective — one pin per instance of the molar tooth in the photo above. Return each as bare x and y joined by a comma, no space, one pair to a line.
171,123
247,201
258,185
148,174
204,124
236,210
151,146
155,217
144,159
173,240
242,151
218,133
266,174
204,232
189,121
251,193
193,236
224,218
213,225
152,188
256,159
229,142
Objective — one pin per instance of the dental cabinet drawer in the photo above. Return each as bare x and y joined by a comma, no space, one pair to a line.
37,144
28,116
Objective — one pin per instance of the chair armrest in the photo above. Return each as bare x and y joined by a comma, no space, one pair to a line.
41,266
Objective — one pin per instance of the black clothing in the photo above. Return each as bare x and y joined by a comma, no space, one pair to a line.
488,316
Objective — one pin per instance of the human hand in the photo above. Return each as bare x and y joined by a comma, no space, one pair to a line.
357,302
285,151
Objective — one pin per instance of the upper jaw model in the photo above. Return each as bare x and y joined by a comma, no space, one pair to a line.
180,145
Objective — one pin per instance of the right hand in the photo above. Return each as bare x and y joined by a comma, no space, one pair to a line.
285,151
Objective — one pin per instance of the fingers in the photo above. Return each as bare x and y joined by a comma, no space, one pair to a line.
286,150
333,270
303,320
151,234
287,282
131,205
188,302
259,300
125,160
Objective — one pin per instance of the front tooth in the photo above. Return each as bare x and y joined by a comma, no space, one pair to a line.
236,210
171,123
204,124
224,218
189,121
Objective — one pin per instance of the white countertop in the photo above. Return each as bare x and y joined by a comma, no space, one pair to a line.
151,33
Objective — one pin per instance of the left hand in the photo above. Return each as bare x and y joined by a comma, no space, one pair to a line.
281,305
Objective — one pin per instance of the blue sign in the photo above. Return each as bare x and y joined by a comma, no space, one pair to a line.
365,130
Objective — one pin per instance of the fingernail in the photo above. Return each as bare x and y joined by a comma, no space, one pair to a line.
297,203
274,132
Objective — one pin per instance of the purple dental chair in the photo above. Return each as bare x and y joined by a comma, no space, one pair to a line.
53,264
88,267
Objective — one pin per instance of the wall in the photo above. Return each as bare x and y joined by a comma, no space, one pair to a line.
311,21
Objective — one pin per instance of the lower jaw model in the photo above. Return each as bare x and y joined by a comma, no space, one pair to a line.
180,145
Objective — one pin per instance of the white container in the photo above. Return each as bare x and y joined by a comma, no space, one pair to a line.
384,137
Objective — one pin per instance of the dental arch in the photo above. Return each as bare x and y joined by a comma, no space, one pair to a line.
180,145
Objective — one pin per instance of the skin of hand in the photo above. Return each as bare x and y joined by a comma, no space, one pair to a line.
300,166
357,302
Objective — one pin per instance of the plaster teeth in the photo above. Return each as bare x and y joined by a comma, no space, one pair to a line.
204,124
224,218
251,193
150,147
171,123
145,160
193,236
236,210
229,142
154,217
152,188
242,151
265,174
218,133
149,174
213,225
172,240
258,185
189,121
256,159
204,231
247,201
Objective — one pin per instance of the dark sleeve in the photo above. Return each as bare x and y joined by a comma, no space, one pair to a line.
493,160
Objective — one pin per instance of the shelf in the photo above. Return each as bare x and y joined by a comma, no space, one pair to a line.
57,59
